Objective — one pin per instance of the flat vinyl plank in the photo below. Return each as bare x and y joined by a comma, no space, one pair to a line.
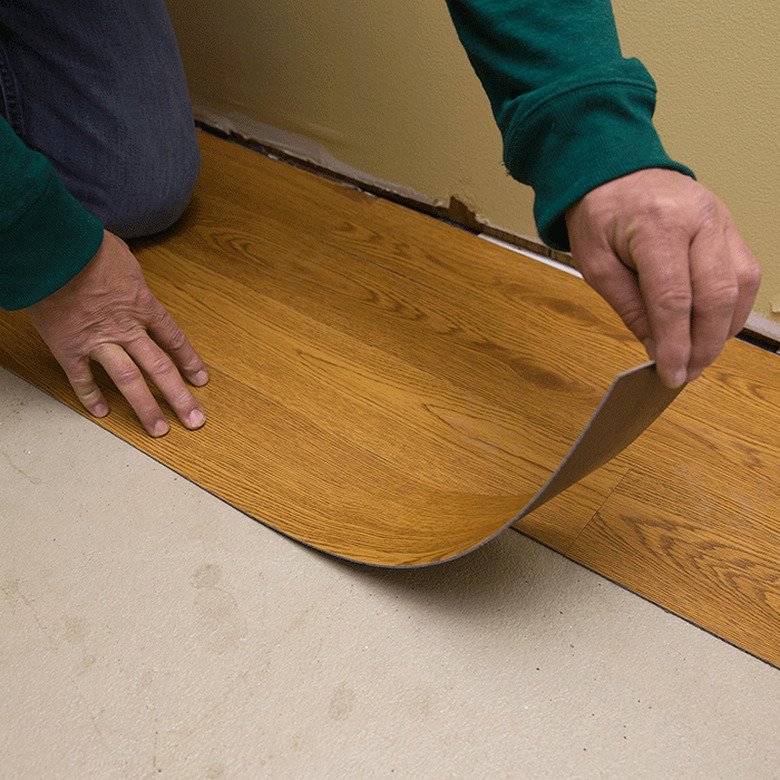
717,570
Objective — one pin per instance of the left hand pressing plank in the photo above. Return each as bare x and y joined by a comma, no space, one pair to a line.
107,314
663,251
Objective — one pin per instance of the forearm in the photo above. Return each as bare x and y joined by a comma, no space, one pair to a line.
572,111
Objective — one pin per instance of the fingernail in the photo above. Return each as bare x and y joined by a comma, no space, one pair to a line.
679,377
161,427
196,419
200,378
101,410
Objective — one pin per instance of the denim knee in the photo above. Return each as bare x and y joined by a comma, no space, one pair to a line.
98,87
150,189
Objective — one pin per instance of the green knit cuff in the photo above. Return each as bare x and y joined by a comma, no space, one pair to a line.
45,247
581,138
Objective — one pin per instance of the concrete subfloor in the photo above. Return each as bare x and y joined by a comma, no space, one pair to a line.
150,630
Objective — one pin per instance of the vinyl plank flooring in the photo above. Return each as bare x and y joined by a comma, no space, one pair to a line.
378,364
696,525
716,569
445,371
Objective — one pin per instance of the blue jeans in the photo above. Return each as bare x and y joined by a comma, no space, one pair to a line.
98,87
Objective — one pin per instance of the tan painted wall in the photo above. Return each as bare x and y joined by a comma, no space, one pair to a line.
385,87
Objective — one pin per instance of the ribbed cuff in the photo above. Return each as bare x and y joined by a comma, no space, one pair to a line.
581,138
46,247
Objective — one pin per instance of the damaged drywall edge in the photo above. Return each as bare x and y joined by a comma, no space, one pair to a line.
769,329
300,148
310,154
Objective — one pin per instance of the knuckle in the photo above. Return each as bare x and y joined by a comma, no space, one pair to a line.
706,208
177,340
162,367
674,301
184,404
680,212
597,275
156,313
660,211
87,394
722,297
750,277
82,383
115,326
634,318
146,302
127,374
663,213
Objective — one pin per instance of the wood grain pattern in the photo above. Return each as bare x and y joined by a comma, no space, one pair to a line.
696,525
450,372
718,570
372,393
634,401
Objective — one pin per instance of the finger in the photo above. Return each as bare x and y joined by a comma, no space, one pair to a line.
748,278
86,389
163,374
617,284
129,380
665,284
715,295
173,340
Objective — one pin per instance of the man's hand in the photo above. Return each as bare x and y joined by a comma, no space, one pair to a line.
108,314
664,253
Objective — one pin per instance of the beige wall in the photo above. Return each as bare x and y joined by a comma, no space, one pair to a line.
385,87
717,66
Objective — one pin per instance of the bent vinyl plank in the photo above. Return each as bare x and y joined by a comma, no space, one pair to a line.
306,476
370,394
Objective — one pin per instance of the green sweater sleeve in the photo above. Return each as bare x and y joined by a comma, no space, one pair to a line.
573,113
46,237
